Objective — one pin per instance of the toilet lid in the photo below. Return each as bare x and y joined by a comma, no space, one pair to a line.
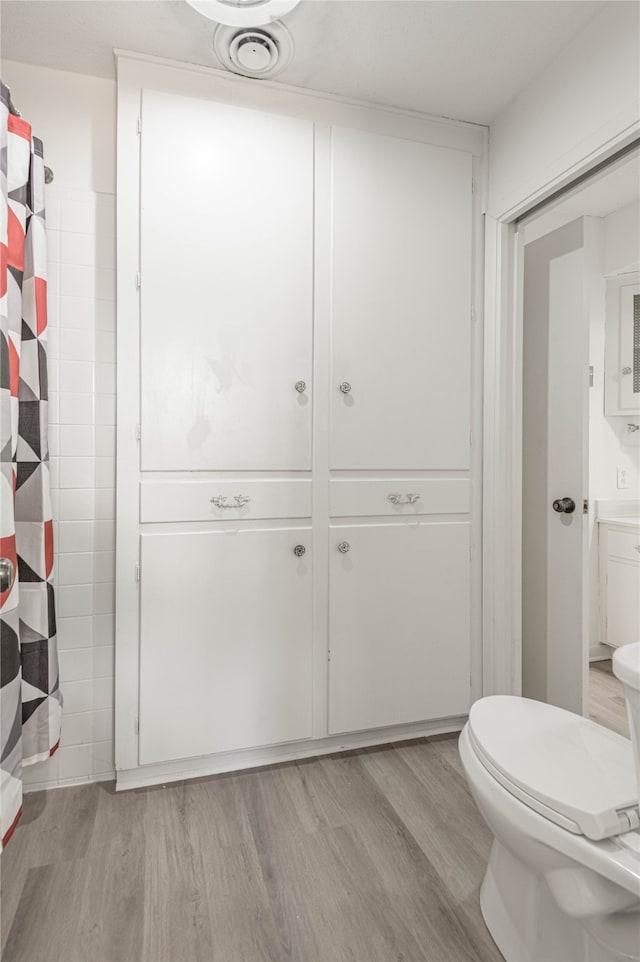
568,768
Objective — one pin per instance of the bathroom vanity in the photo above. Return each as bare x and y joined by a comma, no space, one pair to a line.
619,563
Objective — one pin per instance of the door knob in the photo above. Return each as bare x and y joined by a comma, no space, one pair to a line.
345,387
299,550
6,574
564,505
343,547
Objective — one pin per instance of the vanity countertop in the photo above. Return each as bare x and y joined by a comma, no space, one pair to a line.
625,522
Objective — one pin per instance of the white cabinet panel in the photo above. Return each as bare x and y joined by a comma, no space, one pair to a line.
401,303
226,295
399,624
225,652
623,603
213,500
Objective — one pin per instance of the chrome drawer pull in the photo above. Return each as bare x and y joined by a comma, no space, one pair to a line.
403,499
220,501
345,387
299,550
344,547
300,386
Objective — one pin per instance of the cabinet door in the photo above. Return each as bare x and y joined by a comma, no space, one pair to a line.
226,290
225,652
399,624
623,602
401,303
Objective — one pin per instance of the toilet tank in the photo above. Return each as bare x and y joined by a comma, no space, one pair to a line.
626,667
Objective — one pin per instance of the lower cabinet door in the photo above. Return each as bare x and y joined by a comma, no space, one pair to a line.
623,602
399,624
225,641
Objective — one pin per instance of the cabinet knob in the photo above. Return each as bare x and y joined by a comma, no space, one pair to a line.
345,387
299,550
343,547
300,386
627,370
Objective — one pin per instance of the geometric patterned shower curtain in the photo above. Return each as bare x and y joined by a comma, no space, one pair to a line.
30,699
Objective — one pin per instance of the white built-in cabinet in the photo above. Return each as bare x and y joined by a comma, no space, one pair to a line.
299,506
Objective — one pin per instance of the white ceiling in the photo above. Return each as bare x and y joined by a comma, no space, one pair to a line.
455,58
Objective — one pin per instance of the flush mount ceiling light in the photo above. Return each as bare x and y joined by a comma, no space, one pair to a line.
243,13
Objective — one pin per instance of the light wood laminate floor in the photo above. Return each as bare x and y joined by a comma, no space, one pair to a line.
375,855
606,698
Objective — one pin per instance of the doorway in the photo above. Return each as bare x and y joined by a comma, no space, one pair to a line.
581,442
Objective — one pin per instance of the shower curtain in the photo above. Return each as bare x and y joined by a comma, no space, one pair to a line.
30,700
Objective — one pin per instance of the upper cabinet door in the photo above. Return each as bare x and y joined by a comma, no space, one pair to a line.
226,293
401,303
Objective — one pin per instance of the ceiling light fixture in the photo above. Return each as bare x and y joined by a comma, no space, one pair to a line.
243,13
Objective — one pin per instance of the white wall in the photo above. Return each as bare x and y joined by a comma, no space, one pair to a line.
75,117
622,240
611,445
589,95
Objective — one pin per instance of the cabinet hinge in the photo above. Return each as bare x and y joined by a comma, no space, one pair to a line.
139,125
138,432
138,280
470,552
137,572
470,439
585,506
136,725
473,314
474,185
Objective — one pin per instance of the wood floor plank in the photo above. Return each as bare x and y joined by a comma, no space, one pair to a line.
607,704
80,910
409,876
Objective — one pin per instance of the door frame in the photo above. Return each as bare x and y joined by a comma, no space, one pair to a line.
502,416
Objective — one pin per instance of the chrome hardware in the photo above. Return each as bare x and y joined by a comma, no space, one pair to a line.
299,550
300,386
345,387
6,574
564,505
403,499
343,547
627,370
632,428
220,501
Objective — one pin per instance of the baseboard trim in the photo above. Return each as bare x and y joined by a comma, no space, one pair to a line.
600,652
201,767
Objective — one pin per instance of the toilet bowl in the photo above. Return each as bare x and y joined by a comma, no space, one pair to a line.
559,793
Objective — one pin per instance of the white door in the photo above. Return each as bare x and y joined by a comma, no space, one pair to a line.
555,458
226,287
225,641
399,624
400,304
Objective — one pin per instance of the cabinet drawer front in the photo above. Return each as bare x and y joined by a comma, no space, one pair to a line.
624,544
202,500
402,497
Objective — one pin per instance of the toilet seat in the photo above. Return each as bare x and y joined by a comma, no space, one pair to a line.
567,768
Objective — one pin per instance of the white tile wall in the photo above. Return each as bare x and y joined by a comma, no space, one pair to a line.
82,380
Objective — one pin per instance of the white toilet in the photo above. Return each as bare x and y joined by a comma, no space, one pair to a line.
560,795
